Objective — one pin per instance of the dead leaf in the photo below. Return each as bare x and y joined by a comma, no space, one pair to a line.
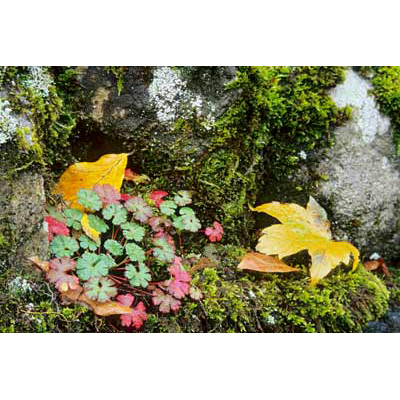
108,169
263,263
43,265
304,229
135,177
103,309
202,263
378,264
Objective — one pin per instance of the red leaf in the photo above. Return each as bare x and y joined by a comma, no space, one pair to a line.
57,274
157,195
125,299
165,301
179,273
215,234
178,287
126,197
136,317
55,227
108,194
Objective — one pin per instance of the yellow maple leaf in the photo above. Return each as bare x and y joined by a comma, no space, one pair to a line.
304,229
91,232
108,169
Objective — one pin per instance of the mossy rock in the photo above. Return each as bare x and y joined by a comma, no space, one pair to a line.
344,302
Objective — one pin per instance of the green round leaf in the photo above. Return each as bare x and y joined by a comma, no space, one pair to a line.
64,246
164,251
134,252
87,243
117,212
92,265
74,217
138,277
97,223
133,231
168,207
100,289
89,199
183,197
113,247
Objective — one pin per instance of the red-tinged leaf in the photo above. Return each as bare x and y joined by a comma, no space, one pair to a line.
136,317
179,273
159,223
157,195
108,194
177,262
126,197
178,289
215,233
165,301
166,236
125,299
263,263
57,274
195,293
43,265
135,177
55,227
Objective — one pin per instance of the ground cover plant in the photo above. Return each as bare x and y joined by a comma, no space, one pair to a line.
120,253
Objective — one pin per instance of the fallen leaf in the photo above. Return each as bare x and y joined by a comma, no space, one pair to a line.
263,263
91,232
304,229
135,177
378,264
43,265
103,309
204,262
108,169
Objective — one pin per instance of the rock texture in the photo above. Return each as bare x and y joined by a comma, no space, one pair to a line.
22,197
360,174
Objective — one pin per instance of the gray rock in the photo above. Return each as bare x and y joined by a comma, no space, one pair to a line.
153,98
22,197
361,174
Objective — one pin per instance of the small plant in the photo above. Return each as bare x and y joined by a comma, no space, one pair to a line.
124,247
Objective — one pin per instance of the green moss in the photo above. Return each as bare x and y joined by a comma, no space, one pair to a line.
275,113
119,73
344,302
386,89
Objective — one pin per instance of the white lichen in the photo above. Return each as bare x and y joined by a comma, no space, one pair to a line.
172,99
19,285
354,91
39,80
10,123
303,155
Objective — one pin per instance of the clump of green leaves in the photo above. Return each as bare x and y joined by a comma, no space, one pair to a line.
139,252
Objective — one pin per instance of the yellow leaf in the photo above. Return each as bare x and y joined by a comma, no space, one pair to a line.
92,233
304,229
108,169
